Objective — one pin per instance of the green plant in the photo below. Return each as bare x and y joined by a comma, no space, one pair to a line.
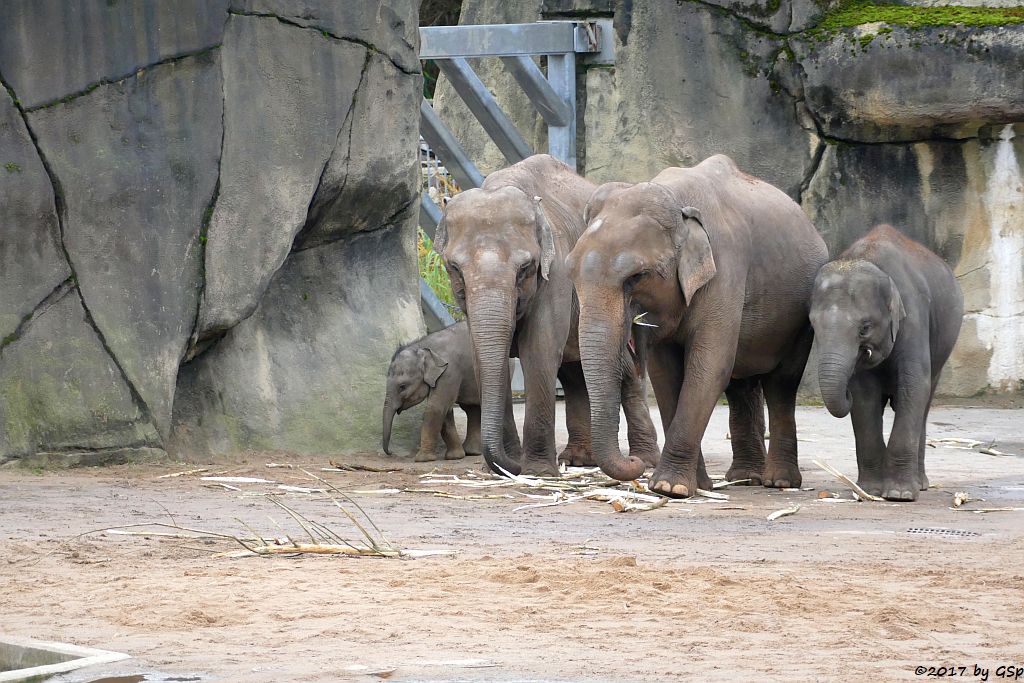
433,272
858,12
12,167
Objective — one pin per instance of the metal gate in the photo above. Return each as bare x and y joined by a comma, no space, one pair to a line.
553,95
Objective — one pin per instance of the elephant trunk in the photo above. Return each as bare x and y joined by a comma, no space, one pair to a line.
602,334
834,372
389,418
491,314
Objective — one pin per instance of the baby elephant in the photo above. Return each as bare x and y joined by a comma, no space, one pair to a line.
886,315
437,369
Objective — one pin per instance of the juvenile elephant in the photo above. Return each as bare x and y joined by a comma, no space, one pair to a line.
719,267
887,313
438,369
504,245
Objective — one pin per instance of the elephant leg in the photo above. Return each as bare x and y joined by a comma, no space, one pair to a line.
433,421
666,370
923,443
708,365
866,408
453,446
643,437
540,341
781,469
577,451
900,475
510,432
746,430
472,443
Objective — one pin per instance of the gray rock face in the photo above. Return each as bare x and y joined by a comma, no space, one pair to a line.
59,390
31,260
161,158
306,372
368,179
137,162
280,125
388,27
97,41
939,82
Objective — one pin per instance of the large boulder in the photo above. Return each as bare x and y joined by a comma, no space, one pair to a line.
32,261
171,197
137,164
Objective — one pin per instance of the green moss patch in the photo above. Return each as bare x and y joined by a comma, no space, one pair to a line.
859,12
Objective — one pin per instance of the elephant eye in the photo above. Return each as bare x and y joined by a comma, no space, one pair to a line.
524,271
865,328
401,387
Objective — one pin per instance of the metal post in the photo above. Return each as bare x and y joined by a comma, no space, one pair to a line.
562,77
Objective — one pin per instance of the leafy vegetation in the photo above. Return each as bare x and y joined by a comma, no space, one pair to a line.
433,272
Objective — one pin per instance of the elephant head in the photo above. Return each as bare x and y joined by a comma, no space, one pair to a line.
638,265
498,248
413,373
856,312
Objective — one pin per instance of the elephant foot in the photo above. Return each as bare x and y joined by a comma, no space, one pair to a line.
472,448
871,485
740,471
893,489
424,456
577,456
674,482
924,482
454,454
650,456
781,475
539,468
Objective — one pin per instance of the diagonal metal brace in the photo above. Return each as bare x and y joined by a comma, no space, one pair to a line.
485,108
448,149
548,103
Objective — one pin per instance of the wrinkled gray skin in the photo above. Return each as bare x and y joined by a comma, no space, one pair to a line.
887,313
723,264
504,245
438,369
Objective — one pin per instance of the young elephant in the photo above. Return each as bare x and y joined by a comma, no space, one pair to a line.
439,369
886,313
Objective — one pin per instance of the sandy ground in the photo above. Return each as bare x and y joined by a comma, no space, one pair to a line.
694,590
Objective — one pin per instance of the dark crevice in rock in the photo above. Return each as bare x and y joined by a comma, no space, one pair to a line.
831,139
748,24
195,344
313,215
391,220
326,33
812,170
58,293
120,79
61,210
973,270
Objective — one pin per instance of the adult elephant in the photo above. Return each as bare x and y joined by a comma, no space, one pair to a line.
719,266
504,245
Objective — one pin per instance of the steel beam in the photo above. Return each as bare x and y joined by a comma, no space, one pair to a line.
430,214
562,77
448,149
552,106
436,314
507,40
485,108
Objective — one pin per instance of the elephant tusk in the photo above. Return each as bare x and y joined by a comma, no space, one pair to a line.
638,320
869,354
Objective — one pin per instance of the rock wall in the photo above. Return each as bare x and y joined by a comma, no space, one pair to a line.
860,120
207,225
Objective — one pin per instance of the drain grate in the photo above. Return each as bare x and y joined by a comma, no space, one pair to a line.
937,531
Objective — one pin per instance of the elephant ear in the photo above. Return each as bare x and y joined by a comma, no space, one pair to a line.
599,197
544,238
896,311
433,367
696,261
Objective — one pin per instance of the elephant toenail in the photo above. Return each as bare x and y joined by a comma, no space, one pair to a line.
679,490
